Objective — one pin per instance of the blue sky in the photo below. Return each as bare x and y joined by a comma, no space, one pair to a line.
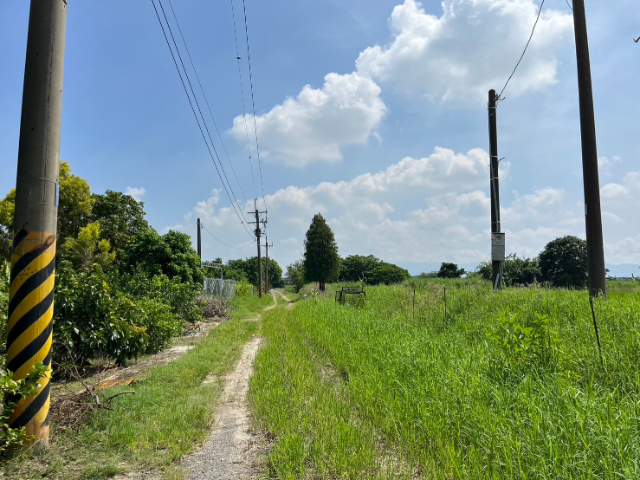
372,113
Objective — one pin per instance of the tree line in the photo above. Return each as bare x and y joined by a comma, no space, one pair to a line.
122,289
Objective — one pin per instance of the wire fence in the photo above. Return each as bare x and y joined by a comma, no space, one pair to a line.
216,287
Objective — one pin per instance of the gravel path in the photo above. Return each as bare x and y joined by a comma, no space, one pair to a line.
232,450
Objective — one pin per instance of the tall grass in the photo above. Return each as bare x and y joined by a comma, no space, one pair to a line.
507,385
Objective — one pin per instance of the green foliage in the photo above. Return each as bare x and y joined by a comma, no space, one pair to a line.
5,274
120,216
88,248
244,289
74,208
516,271
563,262
7,208
247,270
179,296
428,275
450,270
170,254
387,274
321,259
75,203
524,347
11,389
355,268
92,319
482,394
295,274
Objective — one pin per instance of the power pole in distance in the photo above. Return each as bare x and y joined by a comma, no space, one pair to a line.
592,214
266,246
497,238
199,240
29,330
258,233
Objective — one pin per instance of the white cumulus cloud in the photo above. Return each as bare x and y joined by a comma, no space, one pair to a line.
316,124
471,48
136,192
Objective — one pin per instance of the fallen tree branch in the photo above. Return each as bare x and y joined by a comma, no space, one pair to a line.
108,400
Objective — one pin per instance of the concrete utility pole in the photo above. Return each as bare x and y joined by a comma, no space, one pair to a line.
267,281
29,331
200,240
258,233
496,258
592,214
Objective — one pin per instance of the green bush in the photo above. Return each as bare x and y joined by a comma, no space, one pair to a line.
93,320
11,390
4,301
180,296
243,289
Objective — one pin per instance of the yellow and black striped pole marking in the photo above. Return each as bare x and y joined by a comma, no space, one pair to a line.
29,329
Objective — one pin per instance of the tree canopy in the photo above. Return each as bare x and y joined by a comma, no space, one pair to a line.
321,259
120,217
450,270
295,274
563,262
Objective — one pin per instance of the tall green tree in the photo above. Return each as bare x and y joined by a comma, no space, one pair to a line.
120,217
170,254
74,208
75,203
450,270
295,274
321,259
563,262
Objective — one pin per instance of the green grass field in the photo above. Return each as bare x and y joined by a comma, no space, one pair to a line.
506,385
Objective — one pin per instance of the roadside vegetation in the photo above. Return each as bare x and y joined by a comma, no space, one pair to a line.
169,415
505,385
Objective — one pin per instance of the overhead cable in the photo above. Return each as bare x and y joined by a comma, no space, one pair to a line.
184,41
213,158
253,101
244,110
523,53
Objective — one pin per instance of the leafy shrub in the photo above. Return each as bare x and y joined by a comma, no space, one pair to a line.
159,321
92,321
181,297
4,300
10,389
524,345
516,271
243,289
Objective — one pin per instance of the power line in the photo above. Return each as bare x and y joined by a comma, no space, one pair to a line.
525,51
253,101
221,242
196,100
196,116
184,41
244,110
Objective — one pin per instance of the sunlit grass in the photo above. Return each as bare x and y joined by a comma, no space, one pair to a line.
169,415
447,394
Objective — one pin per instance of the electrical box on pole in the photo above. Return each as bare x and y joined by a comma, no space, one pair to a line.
497,247
494,190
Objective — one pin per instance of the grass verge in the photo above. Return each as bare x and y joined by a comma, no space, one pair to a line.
169,415
505,385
